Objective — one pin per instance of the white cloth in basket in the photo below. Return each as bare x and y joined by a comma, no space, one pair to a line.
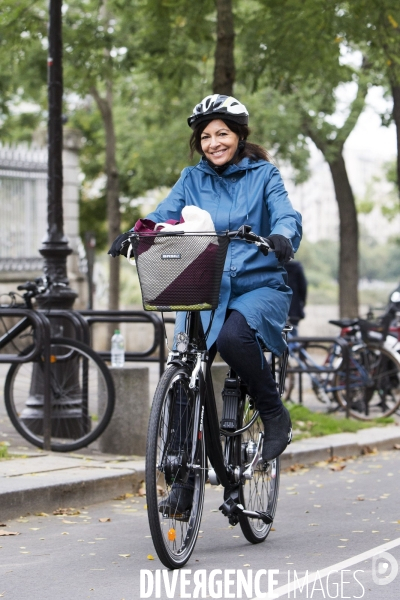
195,219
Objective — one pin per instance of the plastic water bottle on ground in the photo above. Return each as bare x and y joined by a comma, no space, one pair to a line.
117,350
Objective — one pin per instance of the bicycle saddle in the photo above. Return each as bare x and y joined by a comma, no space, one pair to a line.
344,322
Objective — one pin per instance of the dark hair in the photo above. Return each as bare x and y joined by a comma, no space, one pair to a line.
246,149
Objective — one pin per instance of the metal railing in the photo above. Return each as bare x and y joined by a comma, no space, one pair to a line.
128,316
41,344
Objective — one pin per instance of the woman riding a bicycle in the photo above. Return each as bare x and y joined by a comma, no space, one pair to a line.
236,183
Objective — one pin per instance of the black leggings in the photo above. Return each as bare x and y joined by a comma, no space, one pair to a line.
238,346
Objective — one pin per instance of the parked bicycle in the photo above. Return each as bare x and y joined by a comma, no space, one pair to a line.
81,388
374,368
184,427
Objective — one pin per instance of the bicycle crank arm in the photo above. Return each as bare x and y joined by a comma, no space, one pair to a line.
232,510
257,514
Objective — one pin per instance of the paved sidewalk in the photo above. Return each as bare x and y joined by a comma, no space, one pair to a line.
45,481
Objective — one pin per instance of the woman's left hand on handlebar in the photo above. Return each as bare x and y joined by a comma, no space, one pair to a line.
282,247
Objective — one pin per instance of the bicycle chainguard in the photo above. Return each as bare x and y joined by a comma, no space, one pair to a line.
232,510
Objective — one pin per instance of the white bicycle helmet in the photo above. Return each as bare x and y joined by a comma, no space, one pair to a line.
219,105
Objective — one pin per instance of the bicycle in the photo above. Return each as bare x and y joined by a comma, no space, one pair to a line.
183,427
321,377
81,388
374,369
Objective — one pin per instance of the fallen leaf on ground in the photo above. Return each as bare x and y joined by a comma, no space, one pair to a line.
104,519
69,522
368,450
41,514
296,467
3,533
66,511
3,525
124,555
360,498
337,467
150,557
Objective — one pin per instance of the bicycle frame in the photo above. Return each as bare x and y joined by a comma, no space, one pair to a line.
206,418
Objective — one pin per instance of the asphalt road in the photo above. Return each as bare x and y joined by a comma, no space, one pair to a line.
324,517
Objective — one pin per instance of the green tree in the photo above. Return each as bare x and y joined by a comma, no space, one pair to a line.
375,26
297,50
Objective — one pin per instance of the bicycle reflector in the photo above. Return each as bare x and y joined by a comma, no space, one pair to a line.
182,341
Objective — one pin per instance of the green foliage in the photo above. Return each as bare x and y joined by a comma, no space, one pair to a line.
4,450
313,424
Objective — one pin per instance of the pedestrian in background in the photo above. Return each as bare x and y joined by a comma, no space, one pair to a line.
298,283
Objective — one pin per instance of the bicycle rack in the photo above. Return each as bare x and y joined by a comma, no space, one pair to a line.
307,341
128,316
41,325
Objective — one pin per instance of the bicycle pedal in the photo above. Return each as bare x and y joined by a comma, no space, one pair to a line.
182,517
265,517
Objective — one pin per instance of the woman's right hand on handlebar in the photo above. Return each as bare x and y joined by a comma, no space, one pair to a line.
118,246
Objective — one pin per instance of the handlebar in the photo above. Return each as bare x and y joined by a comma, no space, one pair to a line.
244,232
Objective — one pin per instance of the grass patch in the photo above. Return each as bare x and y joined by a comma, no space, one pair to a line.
4,450
312,424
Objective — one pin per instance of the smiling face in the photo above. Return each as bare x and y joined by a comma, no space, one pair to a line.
218,142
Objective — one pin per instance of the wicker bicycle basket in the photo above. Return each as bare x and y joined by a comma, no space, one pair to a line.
180,272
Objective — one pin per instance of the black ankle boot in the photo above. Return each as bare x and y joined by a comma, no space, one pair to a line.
277,435
178,502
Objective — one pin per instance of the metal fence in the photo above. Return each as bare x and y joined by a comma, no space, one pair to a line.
23,184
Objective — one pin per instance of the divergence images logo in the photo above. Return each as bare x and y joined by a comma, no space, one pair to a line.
384,568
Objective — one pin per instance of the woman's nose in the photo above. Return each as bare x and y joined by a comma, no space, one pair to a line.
214,142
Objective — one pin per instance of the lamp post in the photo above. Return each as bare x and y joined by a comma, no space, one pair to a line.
55,248
66,409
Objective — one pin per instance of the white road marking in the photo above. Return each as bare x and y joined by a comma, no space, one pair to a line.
294,585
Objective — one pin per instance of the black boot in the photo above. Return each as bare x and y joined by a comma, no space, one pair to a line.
277,434
178,503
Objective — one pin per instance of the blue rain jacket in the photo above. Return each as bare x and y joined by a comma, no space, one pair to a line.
250,193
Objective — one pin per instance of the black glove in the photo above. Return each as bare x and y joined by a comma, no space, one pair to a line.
282,247
116,247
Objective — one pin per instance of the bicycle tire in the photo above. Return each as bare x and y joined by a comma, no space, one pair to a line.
82,396
374,383
170,435
261,492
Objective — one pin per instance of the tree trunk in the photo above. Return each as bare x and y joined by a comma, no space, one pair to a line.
396,118
112,190
224,70
348,255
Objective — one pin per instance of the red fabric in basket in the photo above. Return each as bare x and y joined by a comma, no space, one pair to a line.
195,285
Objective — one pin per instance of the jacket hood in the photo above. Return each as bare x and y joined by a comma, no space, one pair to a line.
244,165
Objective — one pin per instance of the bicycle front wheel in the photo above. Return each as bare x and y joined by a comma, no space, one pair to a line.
261,492
171,465
81,395
374,380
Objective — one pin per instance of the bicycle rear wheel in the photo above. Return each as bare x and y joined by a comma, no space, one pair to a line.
374,383
173,428
81,393
261,492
